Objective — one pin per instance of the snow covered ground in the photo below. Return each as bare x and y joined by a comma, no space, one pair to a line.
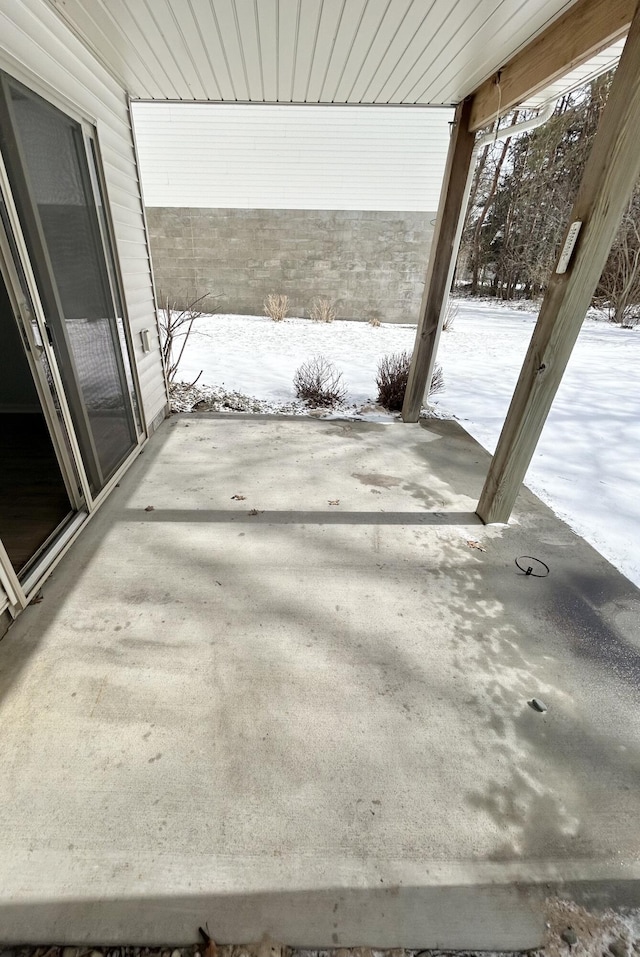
587,463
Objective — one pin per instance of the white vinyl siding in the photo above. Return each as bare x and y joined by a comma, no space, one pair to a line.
291,157
38,49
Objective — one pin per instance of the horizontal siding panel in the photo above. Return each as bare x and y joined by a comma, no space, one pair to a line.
132,252
157,402
238,176
125,182
148,380
157,406
134,277
132,234
350,153
116,143
274,157
155,396
147,373
139,304
133,258
122,196
136,282
130,215
141,307
121,161
146,365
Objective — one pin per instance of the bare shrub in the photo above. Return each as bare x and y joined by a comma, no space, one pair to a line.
319,383
392,376
631,319
175,324
323,310
450,316
374,321
276,306
437,380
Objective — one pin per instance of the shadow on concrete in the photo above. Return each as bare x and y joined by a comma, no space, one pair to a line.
470,915
266,517
303,918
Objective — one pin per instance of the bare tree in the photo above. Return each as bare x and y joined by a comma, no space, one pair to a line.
490,193
522,197
176,325
619,284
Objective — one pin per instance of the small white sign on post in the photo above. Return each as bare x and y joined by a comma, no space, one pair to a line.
569,245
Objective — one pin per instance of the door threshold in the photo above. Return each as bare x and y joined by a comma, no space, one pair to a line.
48,557
25,570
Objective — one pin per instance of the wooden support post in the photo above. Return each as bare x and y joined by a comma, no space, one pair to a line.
441,262
610,175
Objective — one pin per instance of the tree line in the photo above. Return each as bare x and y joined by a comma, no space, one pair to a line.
521,197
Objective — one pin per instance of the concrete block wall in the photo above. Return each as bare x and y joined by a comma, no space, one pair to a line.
372,263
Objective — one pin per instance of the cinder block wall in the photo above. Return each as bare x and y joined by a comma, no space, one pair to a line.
372,263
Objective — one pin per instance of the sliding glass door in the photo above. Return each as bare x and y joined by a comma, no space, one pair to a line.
52,167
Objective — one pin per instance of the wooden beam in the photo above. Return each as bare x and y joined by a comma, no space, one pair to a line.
441,262
610,176
588,27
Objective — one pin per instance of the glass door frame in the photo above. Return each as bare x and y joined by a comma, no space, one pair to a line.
35,335
106,229
56,331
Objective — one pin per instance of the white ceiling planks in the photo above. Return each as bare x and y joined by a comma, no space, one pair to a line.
400,52
410,41
213,49
479,36
168,27
357,37
267,34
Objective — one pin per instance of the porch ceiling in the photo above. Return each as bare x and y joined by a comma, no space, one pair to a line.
396,52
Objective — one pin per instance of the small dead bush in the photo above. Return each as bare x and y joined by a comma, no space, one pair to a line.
319,383
437,381
374,321
450,316
323,310
175,322
276,306
391,379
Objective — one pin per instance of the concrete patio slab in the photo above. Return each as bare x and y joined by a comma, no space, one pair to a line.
291,701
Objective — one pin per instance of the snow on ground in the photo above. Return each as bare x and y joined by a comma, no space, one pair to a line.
587,462
259,357
588,459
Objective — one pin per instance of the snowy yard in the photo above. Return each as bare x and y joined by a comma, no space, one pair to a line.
587,462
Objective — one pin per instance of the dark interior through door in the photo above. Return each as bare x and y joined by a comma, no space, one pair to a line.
33,499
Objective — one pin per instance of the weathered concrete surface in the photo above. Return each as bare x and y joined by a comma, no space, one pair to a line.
312,722
371,263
